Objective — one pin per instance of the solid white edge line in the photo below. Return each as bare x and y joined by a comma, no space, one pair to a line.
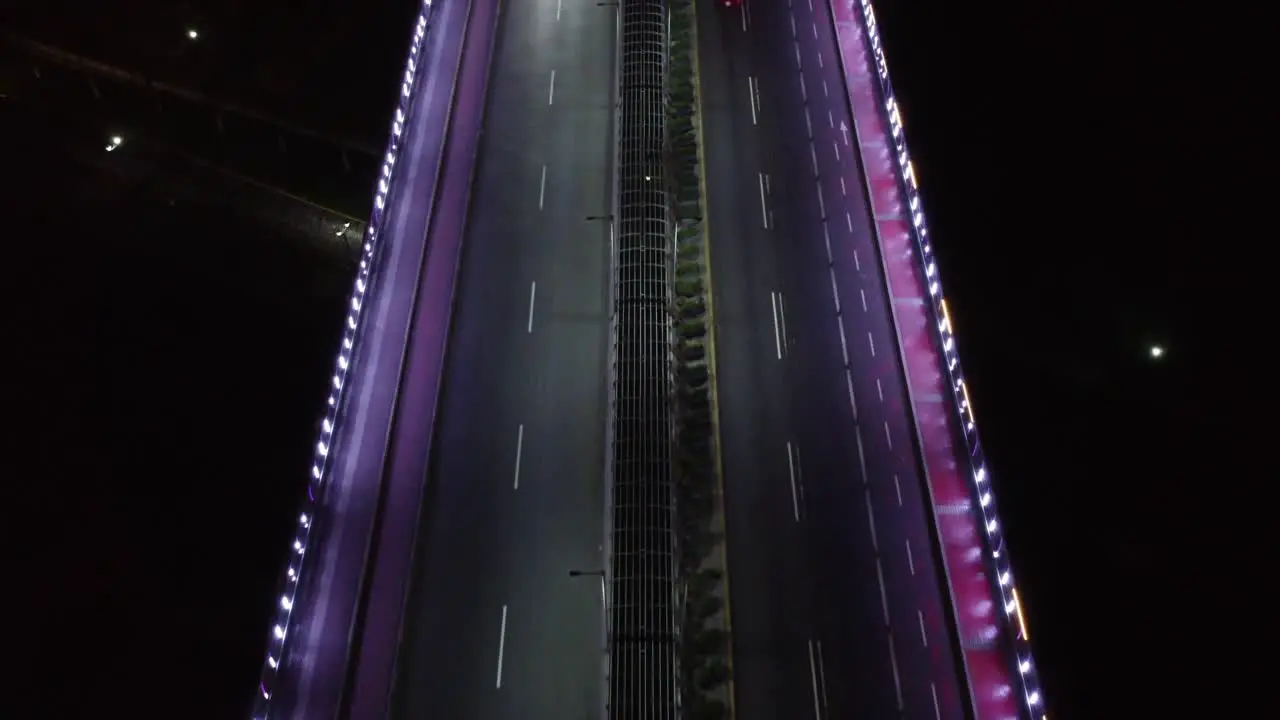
897,681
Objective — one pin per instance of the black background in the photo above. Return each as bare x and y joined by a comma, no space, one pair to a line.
172,358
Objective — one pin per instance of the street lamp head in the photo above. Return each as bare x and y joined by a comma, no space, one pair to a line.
193,34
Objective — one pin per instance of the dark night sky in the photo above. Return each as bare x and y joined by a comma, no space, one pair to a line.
180,355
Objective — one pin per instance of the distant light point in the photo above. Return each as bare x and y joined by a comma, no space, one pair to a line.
193,34
116,141
1157,352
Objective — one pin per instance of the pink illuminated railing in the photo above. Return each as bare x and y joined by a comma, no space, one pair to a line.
999,671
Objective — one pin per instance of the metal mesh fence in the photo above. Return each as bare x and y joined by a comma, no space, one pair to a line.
644,680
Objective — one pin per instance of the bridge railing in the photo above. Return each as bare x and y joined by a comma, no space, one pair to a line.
286,605
905,201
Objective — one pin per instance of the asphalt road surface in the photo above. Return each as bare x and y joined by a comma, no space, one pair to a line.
496,628
838,608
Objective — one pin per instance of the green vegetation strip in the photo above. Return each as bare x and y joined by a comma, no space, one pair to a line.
706,652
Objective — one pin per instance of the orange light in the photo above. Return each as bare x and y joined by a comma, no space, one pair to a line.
1022,623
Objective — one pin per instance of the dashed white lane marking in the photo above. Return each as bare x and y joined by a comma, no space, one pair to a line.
844,346
791,468
848,382
519,451
533,294
502,644
862,458
875,544
813,674
884,598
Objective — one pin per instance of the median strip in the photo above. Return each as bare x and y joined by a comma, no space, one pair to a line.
707,648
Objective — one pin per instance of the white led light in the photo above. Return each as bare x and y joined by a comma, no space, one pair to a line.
1033,698
1024,667
360,286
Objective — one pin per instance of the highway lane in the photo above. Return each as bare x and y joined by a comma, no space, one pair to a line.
773,603
922,631
864,534
495,626
312,673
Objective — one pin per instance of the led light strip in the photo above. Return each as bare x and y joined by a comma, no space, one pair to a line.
982,484
276,646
